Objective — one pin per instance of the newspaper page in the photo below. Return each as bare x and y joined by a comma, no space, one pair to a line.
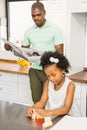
71,123
28,54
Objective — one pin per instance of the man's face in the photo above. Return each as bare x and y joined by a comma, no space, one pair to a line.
38,17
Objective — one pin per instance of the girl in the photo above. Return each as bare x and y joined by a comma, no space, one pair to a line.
58,93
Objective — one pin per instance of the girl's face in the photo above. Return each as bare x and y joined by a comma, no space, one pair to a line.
54,74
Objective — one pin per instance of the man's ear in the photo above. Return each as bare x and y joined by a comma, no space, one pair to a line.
44,12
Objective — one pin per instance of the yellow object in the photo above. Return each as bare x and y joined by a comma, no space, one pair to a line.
23,62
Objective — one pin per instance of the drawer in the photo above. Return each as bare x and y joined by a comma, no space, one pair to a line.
8,97
24,86
25,93
25,101
7,77
10,88
24,79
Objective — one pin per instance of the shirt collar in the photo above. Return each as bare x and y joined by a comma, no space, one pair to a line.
44,26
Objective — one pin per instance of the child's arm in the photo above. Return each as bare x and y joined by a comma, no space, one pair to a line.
65,108
68,101
40,104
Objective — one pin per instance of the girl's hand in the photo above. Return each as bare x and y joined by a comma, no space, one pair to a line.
43,112
29,112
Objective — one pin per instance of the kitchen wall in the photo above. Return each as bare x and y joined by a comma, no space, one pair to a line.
2,8
76,29
3,27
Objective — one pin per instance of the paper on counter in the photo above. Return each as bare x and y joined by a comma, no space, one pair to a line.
71,123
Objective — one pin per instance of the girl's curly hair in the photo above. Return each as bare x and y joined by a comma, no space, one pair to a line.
62,63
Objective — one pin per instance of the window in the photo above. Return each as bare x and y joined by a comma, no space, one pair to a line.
19,19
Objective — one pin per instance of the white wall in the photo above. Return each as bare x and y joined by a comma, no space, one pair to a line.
2,8
77,34
2,20
4,54
77,5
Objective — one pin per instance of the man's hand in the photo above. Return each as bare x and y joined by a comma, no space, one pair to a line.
7,47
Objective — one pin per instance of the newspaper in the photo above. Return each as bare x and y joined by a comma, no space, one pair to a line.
71,123
28,54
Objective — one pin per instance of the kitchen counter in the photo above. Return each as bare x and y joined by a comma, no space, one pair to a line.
80,77
11,66
13,117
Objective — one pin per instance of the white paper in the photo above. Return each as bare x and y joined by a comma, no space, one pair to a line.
25,53
71,123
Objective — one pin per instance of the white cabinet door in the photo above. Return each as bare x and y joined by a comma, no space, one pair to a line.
80,95
77,96
84,99
8,86
78,90
24,91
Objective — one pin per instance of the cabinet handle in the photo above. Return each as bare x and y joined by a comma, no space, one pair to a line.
0,74
0,88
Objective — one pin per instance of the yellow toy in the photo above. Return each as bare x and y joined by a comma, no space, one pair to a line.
23,62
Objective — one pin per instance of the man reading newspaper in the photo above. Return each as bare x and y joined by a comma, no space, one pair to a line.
28,54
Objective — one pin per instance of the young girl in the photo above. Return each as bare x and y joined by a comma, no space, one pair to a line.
58,94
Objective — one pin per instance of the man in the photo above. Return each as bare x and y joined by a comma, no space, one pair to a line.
42,36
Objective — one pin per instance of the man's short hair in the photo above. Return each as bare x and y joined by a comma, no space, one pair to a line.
38,5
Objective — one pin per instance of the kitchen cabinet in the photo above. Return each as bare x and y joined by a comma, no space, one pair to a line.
15,88
84,99
80,80
80,96
14,82
8,86
24,92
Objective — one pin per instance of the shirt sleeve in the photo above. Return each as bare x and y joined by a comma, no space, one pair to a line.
26,41
58,36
